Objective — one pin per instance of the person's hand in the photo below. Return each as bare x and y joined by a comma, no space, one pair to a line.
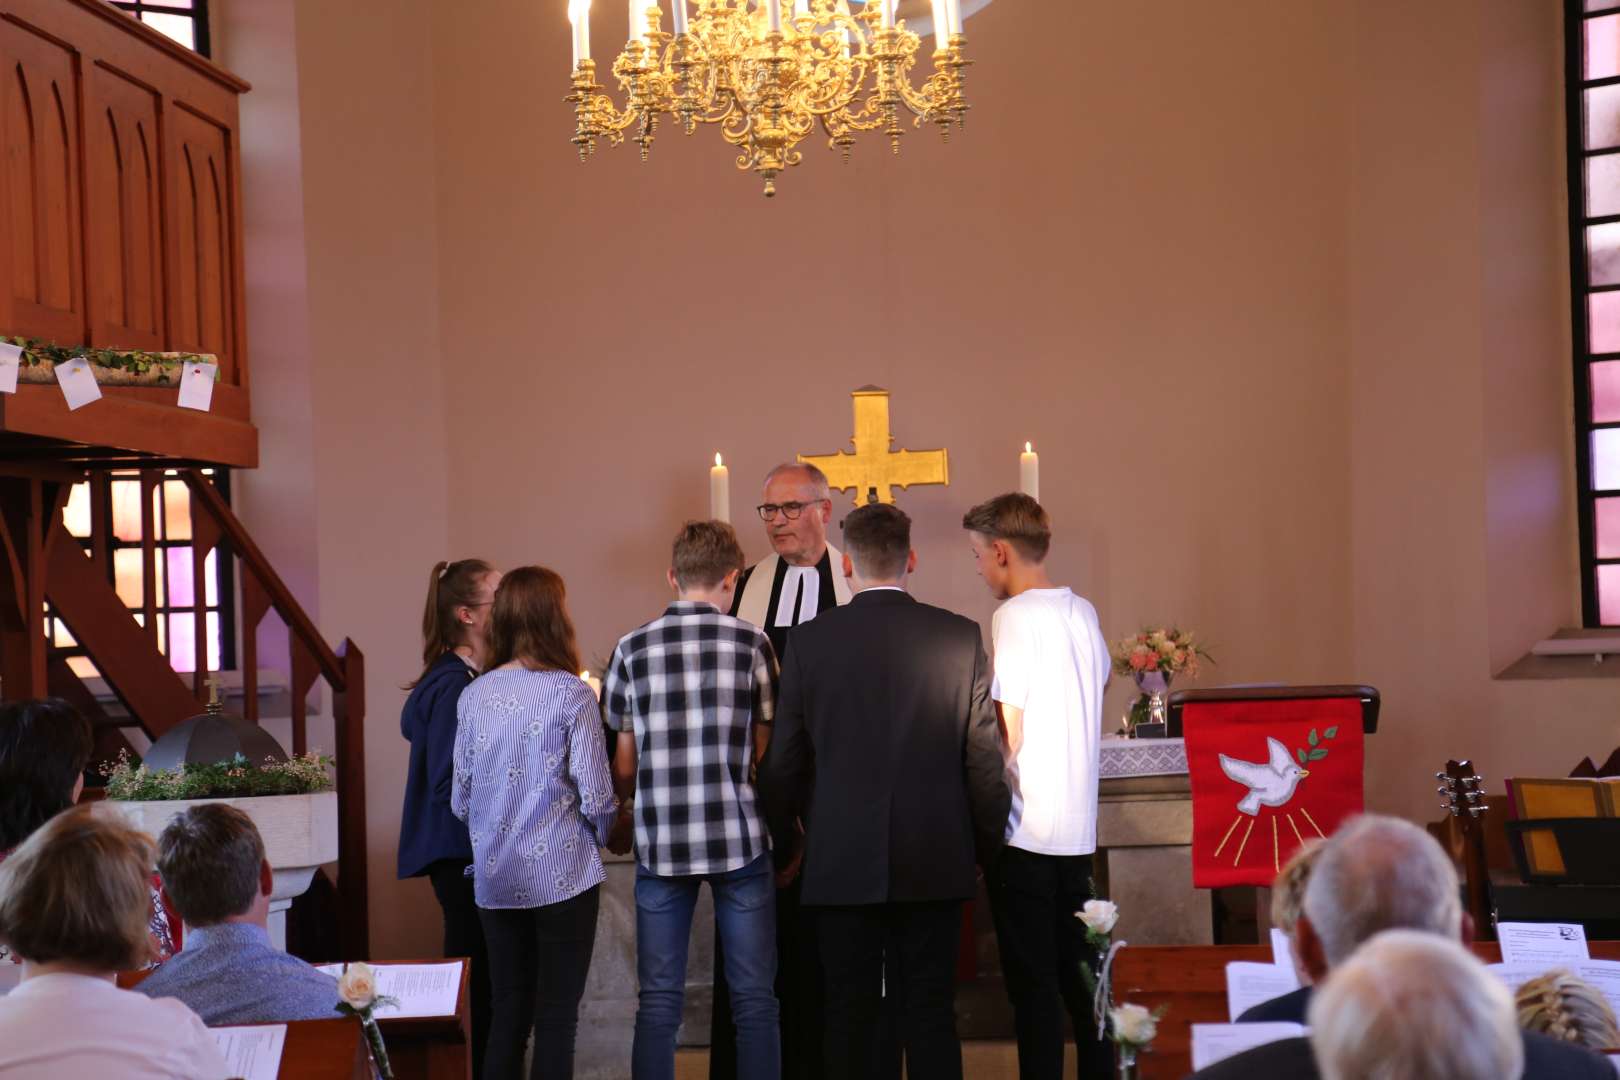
622,836
790,873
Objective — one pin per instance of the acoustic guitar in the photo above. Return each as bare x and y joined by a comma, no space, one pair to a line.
1462,793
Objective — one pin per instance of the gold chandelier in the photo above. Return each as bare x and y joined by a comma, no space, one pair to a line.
768,76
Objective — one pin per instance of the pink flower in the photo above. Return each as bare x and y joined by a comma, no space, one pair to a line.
1143,658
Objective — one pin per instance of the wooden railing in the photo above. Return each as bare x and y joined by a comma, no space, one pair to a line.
262,592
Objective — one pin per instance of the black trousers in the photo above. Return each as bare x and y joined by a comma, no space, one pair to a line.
1033,899
920,942
464,936
538,960
798,990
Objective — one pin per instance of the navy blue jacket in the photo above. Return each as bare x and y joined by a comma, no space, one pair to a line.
428,831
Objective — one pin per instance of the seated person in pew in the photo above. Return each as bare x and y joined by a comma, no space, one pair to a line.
1375,874
1566,1006
211,860
1287,899
1415,1006
74,900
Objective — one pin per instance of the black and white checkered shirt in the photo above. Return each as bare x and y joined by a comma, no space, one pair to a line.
691,685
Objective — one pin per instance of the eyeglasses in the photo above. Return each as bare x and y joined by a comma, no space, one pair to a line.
789,510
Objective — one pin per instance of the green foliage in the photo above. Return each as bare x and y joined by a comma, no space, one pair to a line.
135,361
130,781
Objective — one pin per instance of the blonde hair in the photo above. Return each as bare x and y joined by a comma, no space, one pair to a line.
1565,1006
1288,891
78,891
1410,1005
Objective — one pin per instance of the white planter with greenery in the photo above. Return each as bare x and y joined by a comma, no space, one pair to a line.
300,828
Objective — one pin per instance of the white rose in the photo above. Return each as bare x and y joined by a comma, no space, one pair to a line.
1133,1024
358,986
1099,915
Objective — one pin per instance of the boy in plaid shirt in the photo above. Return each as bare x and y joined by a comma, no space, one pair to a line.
692,694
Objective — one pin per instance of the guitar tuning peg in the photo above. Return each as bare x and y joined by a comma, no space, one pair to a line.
1476,778
1439,776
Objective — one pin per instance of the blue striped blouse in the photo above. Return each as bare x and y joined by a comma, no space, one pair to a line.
532,784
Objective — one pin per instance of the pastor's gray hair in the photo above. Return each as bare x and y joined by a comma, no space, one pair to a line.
1380,873
1413,1006
811,474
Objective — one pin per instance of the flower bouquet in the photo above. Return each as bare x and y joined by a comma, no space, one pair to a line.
1132,1028
357,987
1153,658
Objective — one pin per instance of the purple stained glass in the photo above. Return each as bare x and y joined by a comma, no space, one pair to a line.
1608,590
181,593
1602,117
1606,516
183,642
1603,325
1603,185
1606,459
1603,47
1606,392
1603,254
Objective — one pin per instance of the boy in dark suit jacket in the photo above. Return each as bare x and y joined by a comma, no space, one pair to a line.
886,745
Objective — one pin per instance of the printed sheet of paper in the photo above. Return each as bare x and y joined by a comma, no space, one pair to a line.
1248,984
1541,945
254,1053
1282,949
422,989
78,383
1605,975
10,362
1217,1042
197,385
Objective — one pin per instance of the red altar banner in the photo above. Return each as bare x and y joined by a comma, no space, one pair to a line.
1266,776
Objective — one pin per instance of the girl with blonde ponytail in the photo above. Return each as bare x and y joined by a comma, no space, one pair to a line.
433,843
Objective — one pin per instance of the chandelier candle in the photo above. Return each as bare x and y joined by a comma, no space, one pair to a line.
719,491
1029,472
953,15
679,8
773,15
579,14
889,13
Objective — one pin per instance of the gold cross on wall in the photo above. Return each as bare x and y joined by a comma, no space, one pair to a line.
874,466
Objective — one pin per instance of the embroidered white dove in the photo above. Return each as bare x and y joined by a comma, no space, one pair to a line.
1269,784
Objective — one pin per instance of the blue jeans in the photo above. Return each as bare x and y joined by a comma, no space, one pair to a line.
745,912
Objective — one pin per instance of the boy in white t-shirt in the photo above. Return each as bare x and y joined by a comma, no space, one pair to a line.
1051,664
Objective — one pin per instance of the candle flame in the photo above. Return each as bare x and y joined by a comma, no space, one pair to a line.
717,461
586,675
1028,448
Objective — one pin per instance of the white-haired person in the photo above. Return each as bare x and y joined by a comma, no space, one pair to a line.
1565,1006
1376,874
1413,1006
74,902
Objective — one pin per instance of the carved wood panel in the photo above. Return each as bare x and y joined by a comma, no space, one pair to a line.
124,211
202,238
39,215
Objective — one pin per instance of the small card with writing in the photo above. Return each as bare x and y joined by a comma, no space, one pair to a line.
197,385
78,383
10,362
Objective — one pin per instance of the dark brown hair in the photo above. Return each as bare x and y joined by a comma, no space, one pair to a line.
878,539
704,553
209,859
79,891
44,746
451,585
1016,518
529,622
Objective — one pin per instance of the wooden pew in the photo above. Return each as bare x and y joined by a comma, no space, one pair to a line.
324,1050
419,1048
1190,982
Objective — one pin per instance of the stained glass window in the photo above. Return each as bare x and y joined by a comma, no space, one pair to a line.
172,581
1592,56
186,21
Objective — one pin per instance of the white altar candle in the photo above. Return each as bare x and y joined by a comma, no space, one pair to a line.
593,682
953,15
773,15
889,13
719,491
1029,472
579,13
679,9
